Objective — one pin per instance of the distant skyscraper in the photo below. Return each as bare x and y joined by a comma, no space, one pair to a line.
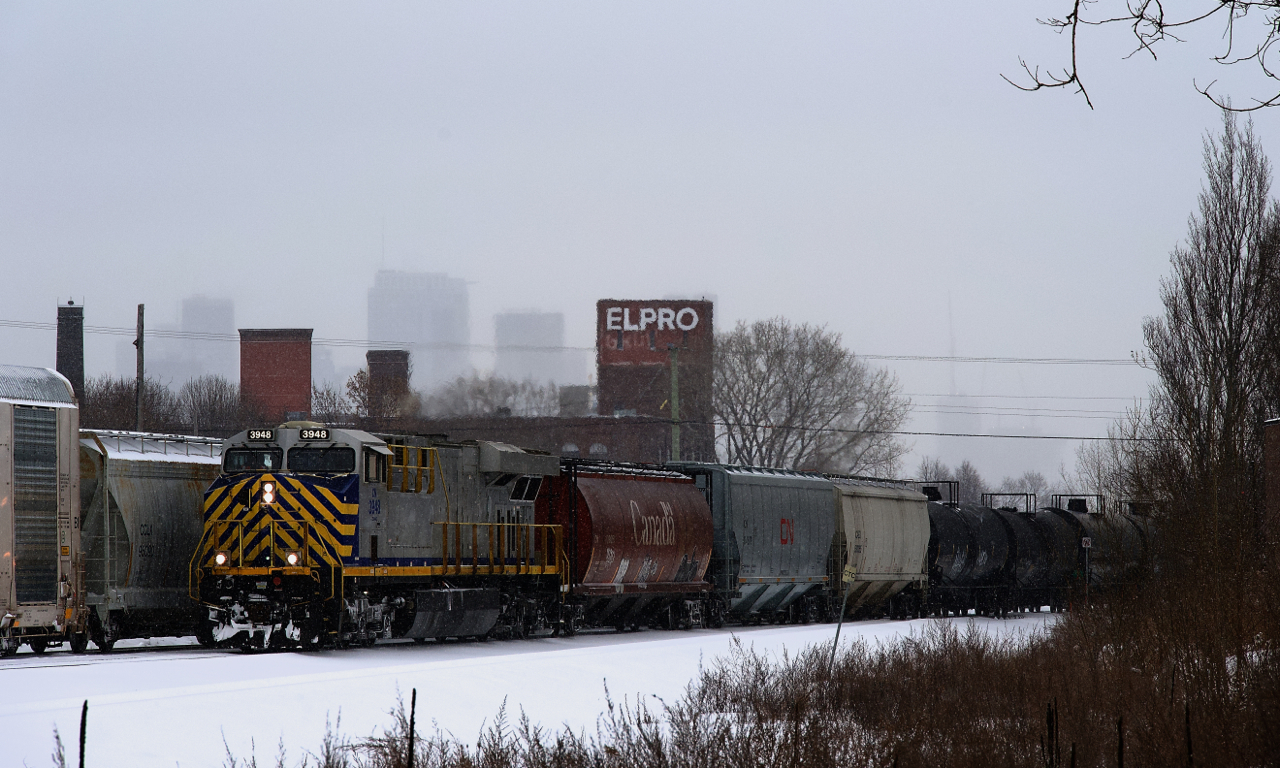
204,315
530,345
210,349
427,313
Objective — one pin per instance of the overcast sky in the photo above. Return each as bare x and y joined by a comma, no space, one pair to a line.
857,165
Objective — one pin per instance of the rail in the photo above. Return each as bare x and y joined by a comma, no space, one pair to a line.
508,549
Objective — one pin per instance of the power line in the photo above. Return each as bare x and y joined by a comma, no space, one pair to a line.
963,408
512,424
908,433
1034,397
1019,360
381,343
1030,415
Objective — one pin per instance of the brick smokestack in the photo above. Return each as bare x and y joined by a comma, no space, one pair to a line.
275,372
70,357
388,380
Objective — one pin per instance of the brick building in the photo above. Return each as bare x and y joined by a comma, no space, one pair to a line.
389,371
275,372
625,438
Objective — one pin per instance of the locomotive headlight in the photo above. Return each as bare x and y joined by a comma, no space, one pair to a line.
220,558
291,558
268,493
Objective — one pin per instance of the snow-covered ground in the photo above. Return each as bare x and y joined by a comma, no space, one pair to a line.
175,705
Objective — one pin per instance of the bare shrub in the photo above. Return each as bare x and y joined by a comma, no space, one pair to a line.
492,396
211,405
329,405
109,403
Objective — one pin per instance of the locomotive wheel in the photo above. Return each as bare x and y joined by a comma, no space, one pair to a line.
204,634
79,642
38,645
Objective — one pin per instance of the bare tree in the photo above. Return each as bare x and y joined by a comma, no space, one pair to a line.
792,396
330,406
109,403
493,396
972,486
1248,29
1117,468
932,468
368,401
210,405
1030,481
1213,350
358,392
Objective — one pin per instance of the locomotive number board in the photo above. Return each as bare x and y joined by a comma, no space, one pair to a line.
264,435
313,433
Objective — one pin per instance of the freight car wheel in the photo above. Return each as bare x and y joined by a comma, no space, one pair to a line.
79,642
39,645
110,633
8,645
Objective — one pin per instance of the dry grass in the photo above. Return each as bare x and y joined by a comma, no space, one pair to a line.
1154,668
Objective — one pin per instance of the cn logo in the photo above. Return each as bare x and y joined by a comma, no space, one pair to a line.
788,530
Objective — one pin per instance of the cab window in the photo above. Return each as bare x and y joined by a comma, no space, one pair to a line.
338,459
253,460
375,466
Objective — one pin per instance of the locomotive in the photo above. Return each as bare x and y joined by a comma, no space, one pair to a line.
316,535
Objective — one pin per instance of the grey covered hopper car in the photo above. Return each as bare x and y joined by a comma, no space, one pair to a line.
142,499
772,534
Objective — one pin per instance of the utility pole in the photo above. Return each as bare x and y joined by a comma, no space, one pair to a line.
137,394
674,352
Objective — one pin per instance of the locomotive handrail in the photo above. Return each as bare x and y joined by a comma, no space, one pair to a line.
509,549
194,573
304,532
428,463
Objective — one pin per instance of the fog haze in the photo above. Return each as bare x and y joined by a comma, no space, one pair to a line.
858,166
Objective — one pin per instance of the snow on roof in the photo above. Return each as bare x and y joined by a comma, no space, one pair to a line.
42,385
146,446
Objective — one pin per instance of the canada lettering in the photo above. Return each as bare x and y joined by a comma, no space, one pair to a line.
653,530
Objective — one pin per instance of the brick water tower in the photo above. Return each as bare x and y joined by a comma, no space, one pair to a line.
637,343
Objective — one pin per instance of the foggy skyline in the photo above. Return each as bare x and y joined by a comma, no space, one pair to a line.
847,166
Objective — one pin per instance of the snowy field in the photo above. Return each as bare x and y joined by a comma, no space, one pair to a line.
175,705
